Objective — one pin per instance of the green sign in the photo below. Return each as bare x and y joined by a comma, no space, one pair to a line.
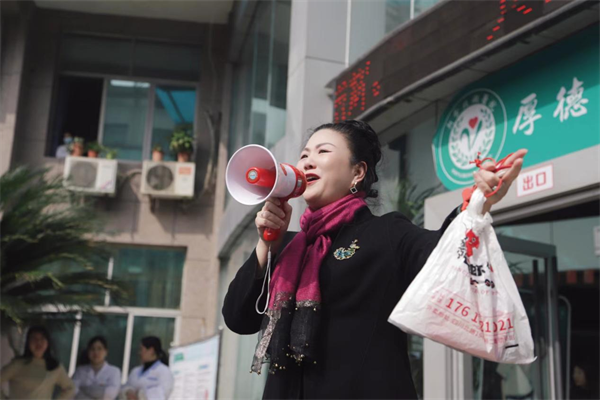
547,103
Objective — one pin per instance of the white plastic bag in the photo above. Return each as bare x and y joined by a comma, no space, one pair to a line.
465,296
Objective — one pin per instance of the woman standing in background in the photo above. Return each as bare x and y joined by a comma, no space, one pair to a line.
36,374
152,380
97,379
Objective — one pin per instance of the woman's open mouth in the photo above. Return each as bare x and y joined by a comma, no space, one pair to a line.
311,178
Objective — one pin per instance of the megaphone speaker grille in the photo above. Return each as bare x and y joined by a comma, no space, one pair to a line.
251,156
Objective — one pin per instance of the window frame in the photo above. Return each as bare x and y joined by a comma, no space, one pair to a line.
148,128
111,266
131,313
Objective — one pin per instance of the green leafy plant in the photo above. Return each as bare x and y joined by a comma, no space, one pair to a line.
47,256
410,202
182,141
95,146
157,147
111,154
77,142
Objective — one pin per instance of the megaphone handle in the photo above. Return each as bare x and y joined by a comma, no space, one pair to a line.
271,234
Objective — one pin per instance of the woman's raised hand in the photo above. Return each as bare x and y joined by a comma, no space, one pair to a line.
273,216
486,180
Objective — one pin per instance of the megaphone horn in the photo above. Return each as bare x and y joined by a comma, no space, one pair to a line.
254,175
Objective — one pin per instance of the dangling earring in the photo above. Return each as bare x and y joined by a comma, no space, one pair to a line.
353,189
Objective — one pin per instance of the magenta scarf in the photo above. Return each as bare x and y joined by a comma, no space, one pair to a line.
291,321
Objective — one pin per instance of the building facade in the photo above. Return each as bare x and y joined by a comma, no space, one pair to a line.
525,75
126,76
428,75
508,75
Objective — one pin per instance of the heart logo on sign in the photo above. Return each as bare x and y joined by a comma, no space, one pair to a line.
469,137
473,122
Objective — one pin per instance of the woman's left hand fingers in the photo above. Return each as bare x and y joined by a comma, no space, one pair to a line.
487,180
516,160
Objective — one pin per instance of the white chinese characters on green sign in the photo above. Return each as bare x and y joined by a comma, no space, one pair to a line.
542,113
573,104
527,115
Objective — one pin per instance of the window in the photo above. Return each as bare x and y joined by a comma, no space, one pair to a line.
260,79
123,330
97,295
125,110
61,331
372,20
163,328
112,327
127,94
77,109
398,12
173,106
574,350
155,275
259,88
420,6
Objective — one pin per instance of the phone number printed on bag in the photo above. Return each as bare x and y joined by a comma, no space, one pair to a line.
458,311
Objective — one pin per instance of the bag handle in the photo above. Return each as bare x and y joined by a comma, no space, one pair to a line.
475,206
468,192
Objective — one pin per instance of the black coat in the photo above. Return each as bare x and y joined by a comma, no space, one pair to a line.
361,355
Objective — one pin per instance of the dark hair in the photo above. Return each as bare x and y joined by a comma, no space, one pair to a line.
84,358
364,145
51,361
95,339
154,342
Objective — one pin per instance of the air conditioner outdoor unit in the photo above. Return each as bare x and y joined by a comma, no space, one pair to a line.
96,176
169,180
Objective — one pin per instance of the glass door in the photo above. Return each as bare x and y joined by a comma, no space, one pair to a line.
533,265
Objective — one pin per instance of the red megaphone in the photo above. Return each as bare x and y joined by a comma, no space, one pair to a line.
253,175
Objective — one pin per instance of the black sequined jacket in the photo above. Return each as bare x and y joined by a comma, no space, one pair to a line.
361,355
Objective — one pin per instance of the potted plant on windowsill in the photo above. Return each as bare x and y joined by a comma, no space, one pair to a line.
77,148
94,149
157,153
111,154
182,144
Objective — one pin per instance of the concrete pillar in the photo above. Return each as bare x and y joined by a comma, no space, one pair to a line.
16,18
367,26
317,55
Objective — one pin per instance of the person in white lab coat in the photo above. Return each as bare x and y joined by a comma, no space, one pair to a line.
153,379
96,379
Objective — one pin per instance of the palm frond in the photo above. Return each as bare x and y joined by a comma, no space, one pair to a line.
410,202
47,253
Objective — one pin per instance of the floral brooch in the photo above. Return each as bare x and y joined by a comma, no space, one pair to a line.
345,253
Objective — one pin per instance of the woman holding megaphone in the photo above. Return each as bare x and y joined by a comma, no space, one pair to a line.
324,330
